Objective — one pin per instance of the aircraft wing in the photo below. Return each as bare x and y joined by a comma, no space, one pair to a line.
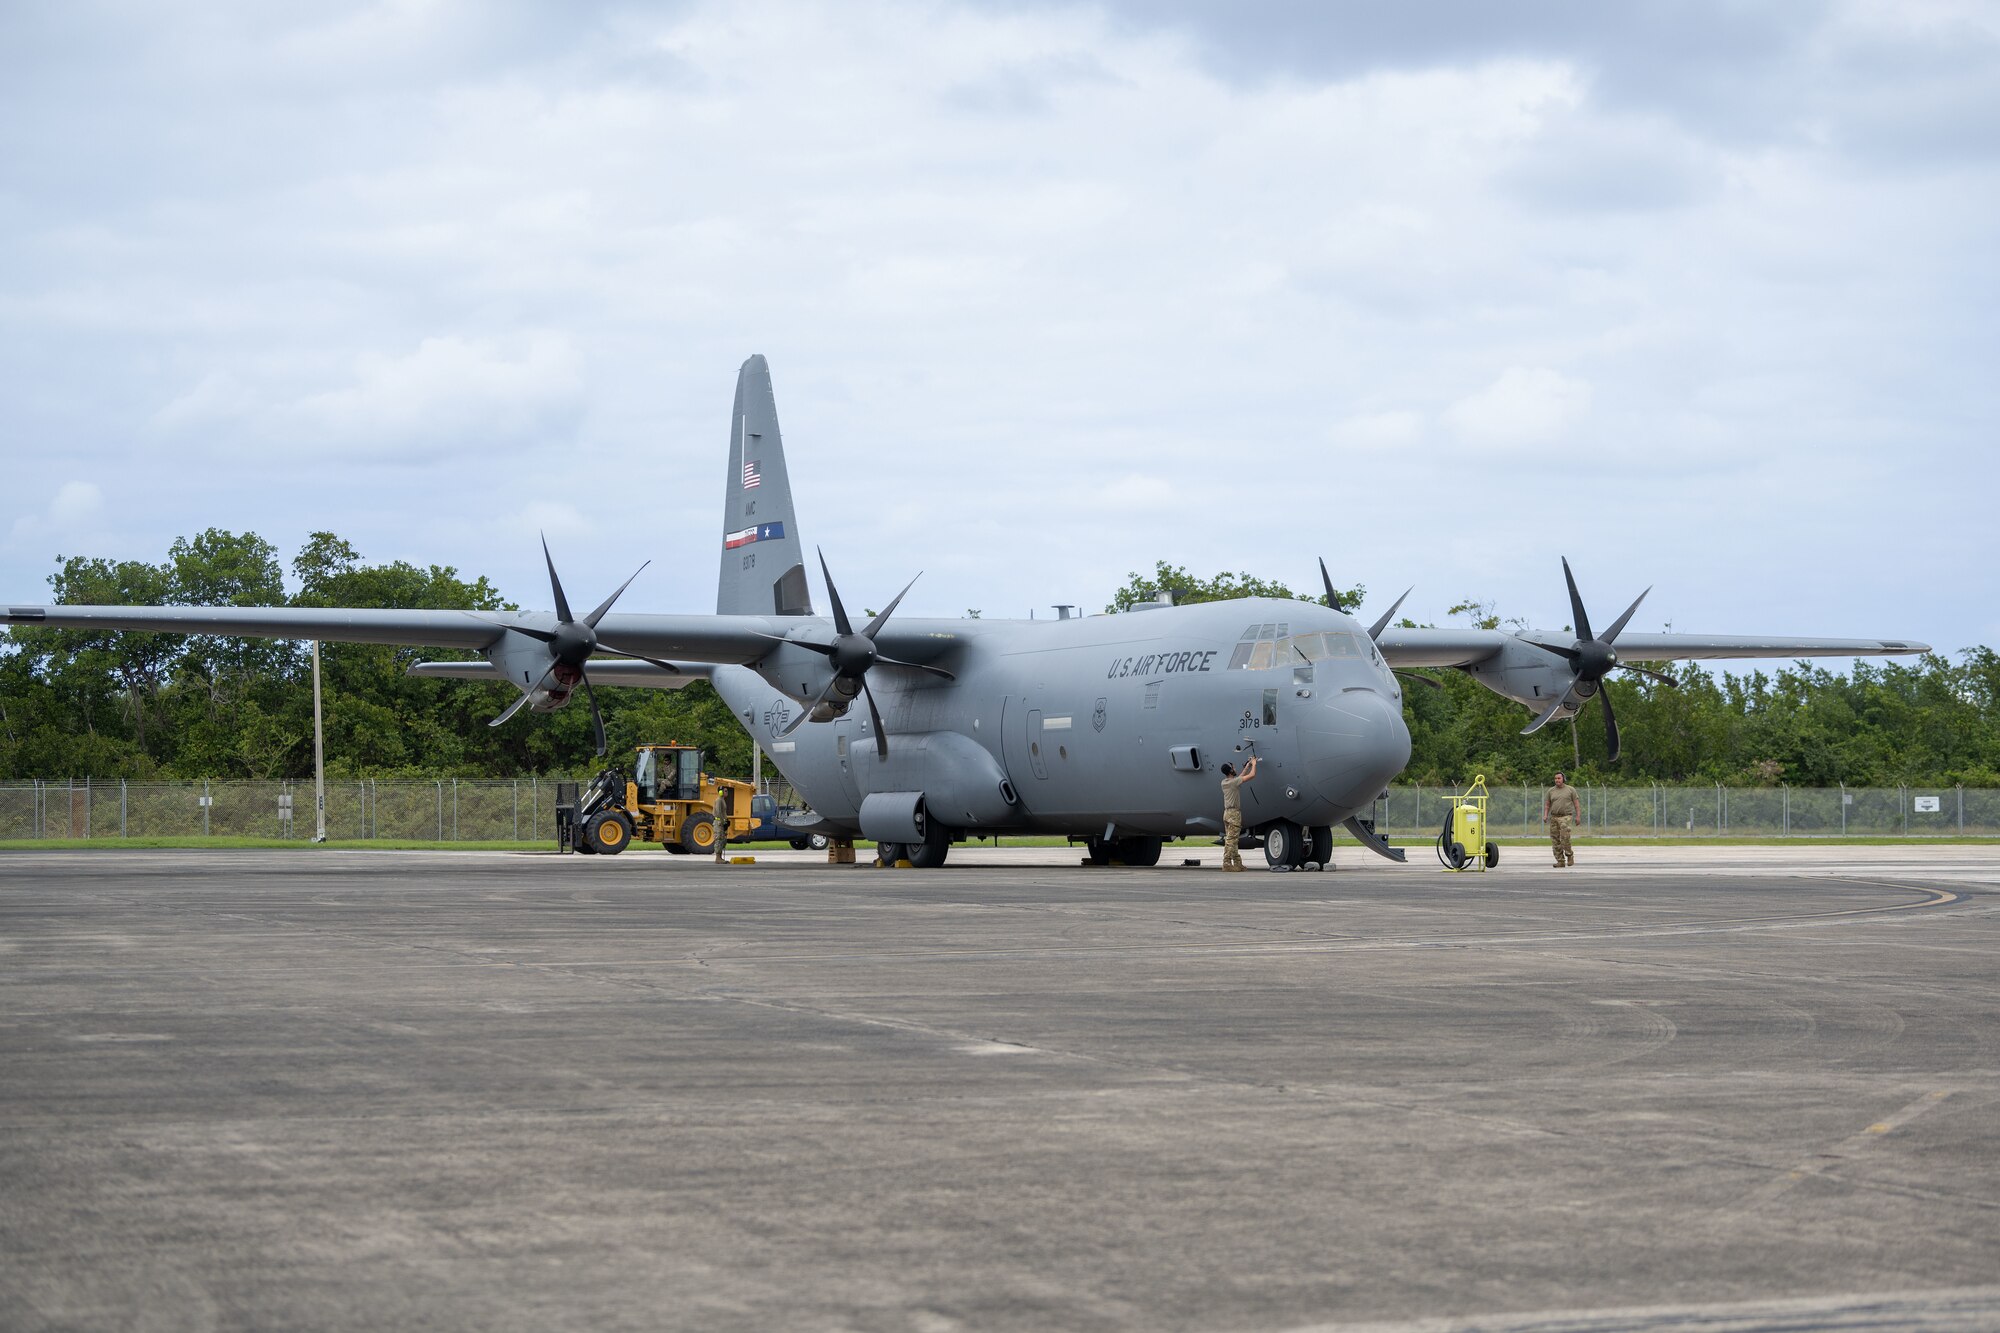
710,639
1467,647
603,670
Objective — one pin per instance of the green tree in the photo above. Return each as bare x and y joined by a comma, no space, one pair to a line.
1223,587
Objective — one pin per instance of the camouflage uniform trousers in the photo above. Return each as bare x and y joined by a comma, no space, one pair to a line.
1559,826
1232,829
723,809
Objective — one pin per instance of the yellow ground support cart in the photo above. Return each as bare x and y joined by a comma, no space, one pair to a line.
1462,843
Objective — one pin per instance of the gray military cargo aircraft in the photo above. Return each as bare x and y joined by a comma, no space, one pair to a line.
1110,728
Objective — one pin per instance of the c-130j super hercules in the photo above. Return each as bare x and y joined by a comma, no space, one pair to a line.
1109,727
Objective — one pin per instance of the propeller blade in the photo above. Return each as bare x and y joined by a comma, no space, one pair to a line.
1578,616
1332,597
807,711
596,718
1569,653
1548,715
1619,623
1651,674
1375,632
914,666
840,621
597,615
1610,729
555,584
526,695
1431,681
541,634
664,666
882,616
823,649
881,736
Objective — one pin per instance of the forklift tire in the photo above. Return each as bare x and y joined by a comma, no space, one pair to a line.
675,848
698,834
608,833
582,844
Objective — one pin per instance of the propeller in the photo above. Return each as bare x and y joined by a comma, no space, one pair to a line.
1591,658
851,654
571,645
1381,623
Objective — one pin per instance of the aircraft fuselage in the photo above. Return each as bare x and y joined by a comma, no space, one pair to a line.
1115,723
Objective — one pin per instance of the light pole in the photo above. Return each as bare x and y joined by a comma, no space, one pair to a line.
319,757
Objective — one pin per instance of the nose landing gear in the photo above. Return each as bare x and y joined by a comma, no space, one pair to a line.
1290,846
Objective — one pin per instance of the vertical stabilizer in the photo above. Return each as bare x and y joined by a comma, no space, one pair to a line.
763,561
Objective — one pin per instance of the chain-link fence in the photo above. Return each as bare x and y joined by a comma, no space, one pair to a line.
444,811
1719,812
524,810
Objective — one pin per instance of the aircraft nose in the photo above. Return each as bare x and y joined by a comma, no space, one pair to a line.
1356,745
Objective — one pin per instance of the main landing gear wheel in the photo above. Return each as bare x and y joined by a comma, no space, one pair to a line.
1319,845
608,833
888,853
1138,851
698,835
930,853
1285,845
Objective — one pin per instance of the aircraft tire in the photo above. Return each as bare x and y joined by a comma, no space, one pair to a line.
1097,851
698,834
1285,845
607,833
931,852
888,853
1139,851
1319,844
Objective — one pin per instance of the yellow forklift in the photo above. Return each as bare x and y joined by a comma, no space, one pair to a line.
668,800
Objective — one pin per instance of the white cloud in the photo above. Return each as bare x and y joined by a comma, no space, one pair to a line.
1525,405
1008,263
450,396
74,513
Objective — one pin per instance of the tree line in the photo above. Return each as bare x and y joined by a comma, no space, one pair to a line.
112,704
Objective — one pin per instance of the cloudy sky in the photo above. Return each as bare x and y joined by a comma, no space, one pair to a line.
1700,294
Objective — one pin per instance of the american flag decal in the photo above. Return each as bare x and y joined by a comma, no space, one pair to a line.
751,476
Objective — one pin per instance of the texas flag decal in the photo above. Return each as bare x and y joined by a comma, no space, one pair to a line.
763,532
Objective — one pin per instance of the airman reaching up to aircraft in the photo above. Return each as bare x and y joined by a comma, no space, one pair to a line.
1232,811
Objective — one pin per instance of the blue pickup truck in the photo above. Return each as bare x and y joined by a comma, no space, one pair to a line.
773,825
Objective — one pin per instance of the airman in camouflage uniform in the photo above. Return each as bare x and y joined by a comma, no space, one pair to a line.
725,809
1232,811
1560,811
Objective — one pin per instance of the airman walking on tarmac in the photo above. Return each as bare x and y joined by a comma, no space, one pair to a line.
725,808
1232,811
1560,811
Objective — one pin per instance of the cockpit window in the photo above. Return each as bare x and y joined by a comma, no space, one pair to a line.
1264,645
1327,645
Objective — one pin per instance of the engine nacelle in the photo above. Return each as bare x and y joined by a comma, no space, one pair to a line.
1532,677
524,661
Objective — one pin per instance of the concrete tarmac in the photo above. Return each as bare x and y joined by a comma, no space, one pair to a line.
1720,1088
